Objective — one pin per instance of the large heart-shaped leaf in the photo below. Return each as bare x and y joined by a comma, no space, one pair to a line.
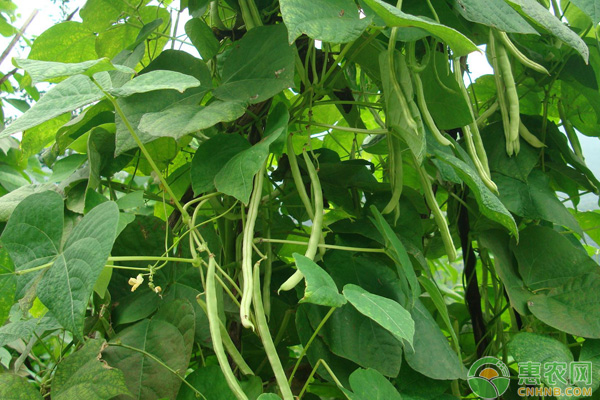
33,234
392,16
181,120
539,15
83,375
156,80
68,283
320,288
387,313
258,67
14,387
72,93
333,21
147,379
49,70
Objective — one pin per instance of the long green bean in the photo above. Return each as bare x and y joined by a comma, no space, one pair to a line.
215,331
247,241
440,220
267,340
317,224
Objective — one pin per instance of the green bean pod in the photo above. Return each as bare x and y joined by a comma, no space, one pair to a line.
477,152
510,46
247,241
425,111
571,134
317,224
297,176
440,220
396,177
233,352
501,93
214,323
410,121
530,137
267,340
511,91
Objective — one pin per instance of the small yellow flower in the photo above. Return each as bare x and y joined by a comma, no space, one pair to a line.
157,289
136,282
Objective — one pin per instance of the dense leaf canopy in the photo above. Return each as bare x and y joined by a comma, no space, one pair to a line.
281,199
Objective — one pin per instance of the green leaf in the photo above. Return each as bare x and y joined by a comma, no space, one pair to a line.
387,313
181,314
65,167
11,200
235,178
489,204
590,351
268,396
146,379
397,252
448,108
156,80
14,387
211,382
354,337
25,328
74,92
590,7
66,42
69,282
181,120
498,243
393,17
258,67
211,156
202,38
517,166
590,223
33,234
431,354
83,375
41,71
8,285
135,106
547,259
531,347
98,15
368,384
540,16
573,307
35,139
332,21
320,288
494,13
131,200
12,179
535,199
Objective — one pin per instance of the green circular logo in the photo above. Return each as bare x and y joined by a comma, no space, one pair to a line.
488,378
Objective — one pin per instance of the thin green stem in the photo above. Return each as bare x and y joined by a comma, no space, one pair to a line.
161,363
139,143
312,338
346,128
326,246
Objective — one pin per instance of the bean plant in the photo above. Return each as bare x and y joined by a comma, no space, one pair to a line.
300,199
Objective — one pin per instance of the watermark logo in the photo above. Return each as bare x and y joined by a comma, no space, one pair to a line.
488,378
555,378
